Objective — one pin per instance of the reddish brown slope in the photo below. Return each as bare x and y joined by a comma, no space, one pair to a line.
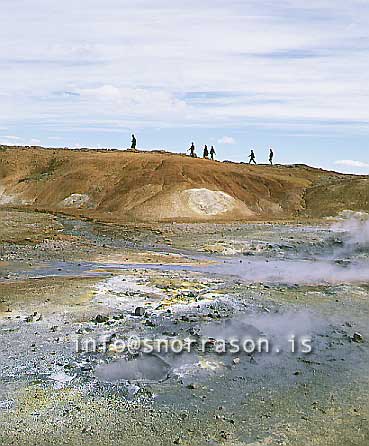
148,186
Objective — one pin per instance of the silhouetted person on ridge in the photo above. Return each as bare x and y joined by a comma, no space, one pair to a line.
252,157
206,151
212,152
271,155
134,142
192,150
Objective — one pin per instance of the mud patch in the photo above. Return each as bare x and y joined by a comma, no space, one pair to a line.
146,368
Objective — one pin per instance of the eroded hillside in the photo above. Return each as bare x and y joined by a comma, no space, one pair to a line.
125,186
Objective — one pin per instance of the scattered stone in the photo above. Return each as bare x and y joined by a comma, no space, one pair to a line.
35,317
357,337
149,323
224,435
100,319
195,331
140,311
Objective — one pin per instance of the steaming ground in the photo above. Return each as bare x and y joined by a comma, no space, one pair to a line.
64,281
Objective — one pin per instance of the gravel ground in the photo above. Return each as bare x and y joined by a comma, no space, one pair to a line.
64,281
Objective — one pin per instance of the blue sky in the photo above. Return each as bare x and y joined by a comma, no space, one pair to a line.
238,74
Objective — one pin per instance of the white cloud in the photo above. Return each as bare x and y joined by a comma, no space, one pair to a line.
135,62
352,163
12,137
226,140
10,140
134,101
34,141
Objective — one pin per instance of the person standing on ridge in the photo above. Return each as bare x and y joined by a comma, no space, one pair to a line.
206,151
134,142
192,150
252,157
212,152
271,155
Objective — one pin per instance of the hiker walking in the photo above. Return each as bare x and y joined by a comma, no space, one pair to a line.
271,155
206,151
212,152
134,142
252,157
192,150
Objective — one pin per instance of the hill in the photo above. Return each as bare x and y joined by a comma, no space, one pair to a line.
126,186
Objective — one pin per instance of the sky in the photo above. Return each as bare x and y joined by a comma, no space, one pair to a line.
236,74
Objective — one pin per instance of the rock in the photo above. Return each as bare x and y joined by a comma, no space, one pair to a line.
100,319
140,311
33,317
149,323
86,367
225,435
357,337
195,331
192,386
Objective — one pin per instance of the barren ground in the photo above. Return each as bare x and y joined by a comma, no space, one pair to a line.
58,274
